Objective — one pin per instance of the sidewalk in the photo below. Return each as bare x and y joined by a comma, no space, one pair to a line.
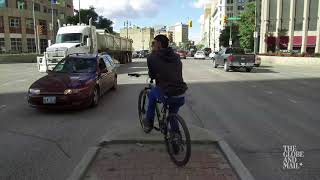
131,154
151,162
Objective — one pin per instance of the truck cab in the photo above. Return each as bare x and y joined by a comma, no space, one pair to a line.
69,40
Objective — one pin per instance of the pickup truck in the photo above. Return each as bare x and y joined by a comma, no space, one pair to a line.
234,58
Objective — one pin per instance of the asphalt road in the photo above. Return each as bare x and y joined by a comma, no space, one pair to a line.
256,113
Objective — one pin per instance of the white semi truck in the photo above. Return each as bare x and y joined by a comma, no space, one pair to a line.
84,39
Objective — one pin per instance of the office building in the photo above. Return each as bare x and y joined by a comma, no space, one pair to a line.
290,25
141,37
180,33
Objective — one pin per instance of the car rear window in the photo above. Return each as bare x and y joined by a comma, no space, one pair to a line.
235,51
76,65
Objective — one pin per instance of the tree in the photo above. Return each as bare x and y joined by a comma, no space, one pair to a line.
85,14
247,26
200,46
225,36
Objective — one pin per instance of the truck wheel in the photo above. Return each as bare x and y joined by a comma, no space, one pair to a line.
215,65
249,69
226,67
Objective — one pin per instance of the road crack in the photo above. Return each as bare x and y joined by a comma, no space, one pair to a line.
41,138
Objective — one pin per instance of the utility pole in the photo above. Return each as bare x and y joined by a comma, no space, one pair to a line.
257,26
230,37
79,13
52,27
35,28
209,32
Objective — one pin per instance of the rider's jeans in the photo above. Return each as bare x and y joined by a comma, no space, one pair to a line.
174,105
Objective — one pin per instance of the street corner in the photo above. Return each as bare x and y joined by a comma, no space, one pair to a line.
151,161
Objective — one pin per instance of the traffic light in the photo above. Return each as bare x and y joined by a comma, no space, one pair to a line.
41,29
190,24
225,19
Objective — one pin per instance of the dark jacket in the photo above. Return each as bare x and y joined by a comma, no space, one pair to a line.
166,68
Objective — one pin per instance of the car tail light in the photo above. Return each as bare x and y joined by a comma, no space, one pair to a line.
231,58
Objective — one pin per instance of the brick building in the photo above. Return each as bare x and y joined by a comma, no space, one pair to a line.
17,23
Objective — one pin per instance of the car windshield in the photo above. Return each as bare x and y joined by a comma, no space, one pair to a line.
76,65
69,38
200,52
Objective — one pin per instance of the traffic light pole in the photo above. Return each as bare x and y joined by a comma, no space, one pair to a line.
230,37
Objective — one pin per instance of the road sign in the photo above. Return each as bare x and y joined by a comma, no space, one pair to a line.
234,18
255,34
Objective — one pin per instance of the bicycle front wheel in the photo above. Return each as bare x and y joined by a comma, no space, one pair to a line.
142,105
178,142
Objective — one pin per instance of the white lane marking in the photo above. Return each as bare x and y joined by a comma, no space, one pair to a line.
293,101
268,92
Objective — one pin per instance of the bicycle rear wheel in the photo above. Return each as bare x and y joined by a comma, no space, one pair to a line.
142,106
181,155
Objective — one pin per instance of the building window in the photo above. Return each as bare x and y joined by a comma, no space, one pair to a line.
298,24
68,6
229,1
241,1
285,15
16,45
272,15
45,9
14,22
21,4
313,15
31,45
36,6
43,45
229,14
3,3
29,26
14,25
229,8
2,46
240,8
1,25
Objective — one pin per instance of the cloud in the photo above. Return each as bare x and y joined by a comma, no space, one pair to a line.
201,19
130,9
200,3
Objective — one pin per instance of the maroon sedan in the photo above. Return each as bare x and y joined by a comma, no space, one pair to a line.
182,54
76,81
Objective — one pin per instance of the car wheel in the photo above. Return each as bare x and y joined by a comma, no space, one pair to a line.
249,69
95,97
215,65
226,66
115,84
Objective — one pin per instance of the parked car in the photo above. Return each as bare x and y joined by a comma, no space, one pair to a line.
234,58
212,54
135,54
257,62
76,81
144,54
182,54
199,55
207,51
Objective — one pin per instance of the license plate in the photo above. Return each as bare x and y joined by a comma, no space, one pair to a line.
49,100
242,64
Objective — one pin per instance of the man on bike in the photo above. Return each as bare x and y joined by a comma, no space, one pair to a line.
166,68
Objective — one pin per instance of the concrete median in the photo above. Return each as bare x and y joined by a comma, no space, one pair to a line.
279,60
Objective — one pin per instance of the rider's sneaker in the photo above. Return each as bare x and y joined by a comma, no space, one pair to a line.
147,125
176,140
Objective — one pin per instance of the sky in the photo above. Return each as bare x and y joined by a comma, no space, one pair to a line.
149,13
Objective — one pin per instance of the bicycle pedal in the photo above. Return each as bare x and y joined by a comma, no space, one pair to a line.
156,128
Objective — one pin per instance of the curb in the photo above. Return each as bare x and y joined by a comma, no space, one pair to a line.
83,165
241,170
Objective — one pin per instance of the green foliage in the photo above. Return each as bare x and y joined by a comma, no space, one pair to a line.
225,36
85,14
200,46
247,26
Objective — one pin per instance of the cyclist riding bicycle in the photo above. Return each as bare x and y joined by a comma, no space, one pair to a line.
165,67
